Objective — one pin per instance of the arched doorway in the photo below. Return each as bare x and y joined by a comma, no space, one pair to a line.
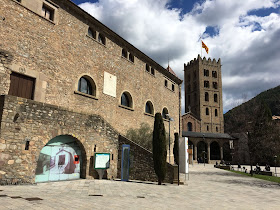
201,149
215,151
226,152
62,158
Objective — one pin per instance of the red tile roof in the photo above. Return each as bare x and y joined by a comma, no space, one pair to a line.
170,70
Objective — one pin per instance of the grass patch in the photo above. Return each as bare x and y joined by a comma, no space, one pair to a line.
268,178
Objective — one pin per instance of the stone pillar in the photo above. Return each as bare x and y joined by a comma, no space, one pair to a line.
208,152
221,152
195,152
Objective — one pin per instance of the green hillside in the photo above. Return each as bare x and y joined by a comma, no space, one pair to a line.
245,115
254,120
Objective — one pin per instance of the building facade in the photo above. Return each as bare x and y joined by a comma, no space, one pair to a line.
65,77
203,122
203,93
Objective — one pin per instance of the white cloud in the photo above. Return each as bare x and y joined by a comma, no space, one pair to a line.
248,45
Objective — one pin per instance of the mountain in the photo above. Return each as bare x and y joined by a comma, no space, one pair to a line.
244,116
252,120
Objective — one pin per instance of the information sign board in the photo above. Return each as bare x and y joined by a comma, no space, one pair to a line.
102,161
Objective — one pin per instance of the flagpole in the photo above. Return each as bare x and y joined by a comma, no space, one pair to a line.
201,47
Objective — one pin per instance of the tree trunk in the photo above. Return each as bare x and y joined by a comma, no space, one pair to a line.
159,181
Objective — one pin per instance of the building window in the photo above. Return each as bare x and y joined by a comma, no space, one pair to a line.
164,113
216,112
207,111
173,87
147,68
165,83
206,84
215,85
91,33
206,96
152,71
217,129
206,73
101,39
131,57
47,12
207,128
189,126
214,74
126,100
149,109
21,86
124,53
215,97
86,85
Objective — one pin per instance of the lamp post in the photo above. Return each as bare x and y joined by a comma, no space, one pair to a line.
275,159
169,119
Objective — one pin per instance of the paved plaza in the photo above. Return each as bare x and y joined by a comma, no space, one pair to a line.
207,188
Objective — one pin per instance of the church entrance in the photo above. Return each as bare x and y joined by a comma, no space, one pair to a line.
60,159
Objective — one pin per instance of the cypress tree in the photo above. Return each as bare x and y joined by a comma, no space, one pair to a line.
159,148
175,149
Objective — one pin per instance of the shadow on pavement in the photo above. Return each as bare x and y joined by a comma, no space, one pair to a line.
140,182
247,180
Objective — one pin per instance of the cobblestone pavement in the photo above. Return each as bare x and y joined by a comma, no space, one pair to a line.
207,188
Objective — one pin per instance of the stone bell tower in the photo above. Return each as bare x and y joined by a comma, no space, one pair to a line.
203,93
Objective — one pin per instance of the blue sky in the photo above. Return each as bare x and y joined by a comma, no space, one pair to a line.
243,33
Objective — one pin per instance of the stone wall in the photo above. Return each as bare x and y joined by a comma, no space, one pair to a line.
189,117
142,166
195,93
26,120
57,53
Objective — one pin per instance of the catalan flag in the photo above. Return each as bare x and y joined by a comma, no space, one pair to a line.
204,46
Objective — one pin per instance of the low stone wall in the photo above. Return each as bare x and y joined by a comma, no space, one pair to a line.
26,120
142,166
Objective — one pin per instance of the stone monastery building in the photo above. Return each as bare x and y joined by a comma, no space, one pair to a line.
203,121
69,87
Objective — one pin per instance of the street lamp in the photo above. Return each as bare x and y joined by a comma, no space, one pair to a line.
169,119
275,159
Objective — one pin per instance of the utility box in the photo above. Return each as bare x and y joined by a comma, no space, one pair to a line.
183,155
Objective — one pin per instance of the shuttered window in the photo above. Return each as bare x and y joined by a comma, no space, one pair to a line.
22,86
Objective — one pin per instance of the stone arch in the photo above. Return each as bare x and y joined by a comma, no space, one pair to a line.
149,108
215,151
126,100
61,158
201,146
92,81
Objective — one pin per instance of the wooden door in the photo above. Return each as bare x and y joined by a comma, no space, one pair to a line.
22,86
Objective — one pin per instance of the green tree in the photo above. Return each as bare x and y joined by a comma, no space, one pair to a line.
142,136
159,148
176,149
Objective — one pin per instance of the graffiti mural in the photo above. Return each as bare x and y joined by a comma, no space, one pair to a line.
59,160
